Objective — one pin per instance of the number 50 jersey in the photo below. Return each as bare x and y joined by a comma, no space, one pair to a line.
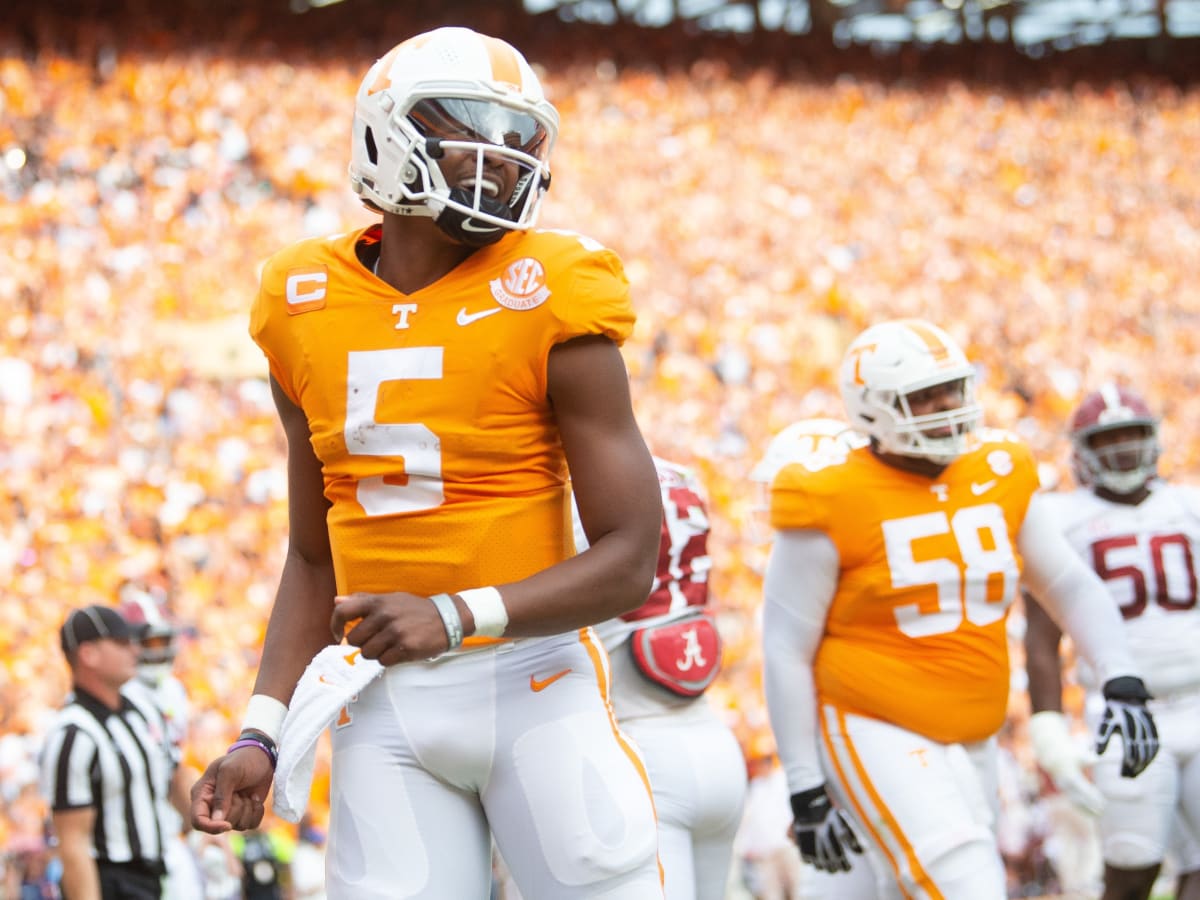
928,569
428,411
1147,556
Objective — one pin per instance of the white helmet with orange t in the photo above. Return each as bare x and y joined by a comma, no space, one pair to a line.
893,360
814,443
453,89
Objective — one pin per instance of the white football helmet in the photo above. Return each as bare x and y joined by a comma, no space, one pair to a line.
892,360
810,440
453,89
814,443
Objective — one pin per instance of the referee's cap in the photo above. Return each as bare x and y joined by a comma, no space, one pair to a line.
91,623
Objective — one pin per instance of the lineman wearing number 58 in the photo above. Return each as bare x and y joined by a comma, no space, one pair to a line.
892,572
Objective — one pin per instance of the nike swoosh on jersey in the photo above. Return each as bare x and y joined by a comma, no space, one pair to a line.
982,488
535,685
466,318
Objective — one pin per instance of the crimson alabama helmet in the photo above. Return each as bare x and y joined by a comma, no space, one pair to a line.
1124,466
152,629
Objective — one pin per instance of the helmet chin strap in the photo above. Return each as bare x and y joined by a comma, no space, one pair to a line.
470,231
461,226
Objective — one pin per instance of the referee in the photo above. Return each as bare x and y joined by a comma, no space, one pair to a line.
106,767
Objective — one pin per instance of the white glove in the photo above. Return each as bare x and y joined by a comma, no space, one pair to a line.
1063,760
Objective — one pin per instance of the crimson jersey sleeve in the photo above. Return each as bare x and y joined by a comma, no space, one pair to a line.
681,579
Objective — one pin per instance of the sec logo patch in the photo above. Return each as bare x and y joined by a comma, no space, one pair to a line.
522,286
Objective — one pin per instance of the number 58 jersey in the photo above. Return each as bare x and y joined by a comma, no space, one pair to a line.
928,569
429,411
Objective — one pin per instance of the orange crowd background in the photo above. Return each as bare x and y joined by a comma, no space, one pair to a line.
765,216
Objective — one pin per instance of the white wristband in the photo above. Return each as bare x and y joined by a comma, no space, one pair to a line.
265,714
487,608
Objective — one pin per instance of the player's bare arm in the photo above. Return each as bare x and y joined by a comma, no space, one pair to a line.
232,792
1042,638
299,623
616,490
1069,590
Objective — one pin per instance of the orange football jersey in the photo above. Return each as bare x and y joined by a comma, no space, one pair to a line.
428,411
928,569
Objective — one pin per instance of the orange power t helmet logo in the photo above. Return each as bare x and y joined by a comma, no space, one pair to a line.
858,353
937,347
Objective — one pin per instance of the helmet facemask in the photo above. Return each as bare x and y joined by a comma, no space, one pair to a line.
1121,466
896,429
909,433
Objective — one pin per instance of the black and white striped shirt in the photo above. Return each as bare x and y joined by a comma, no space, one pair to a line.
118,762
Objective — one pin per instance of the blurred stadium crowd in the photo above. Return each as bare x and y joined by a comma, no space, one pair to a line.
1052,226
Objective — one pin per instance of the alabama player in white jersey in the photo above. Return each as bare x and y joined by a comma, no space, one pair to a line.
1142,536
892,571
663,656
817,442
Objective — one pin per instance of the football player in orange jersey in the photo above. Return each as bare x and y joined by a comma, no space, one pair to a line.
891,574
435,375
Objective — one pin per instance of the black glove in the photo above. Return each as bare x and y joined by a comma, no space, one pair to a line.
1125,714
821,831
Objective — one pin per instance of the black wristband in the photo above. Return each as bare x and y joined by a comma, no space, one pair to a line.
1128,688
254,741
803,801
254,734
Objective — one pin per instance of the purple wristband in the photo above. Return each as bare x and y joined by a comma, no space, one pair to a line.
261,745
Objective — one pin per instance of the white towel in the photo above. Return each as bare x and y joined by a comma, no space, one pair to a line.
332,679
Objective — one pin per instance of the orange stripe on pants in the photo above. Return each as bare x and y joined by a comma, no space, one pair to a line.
599,657
876,801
